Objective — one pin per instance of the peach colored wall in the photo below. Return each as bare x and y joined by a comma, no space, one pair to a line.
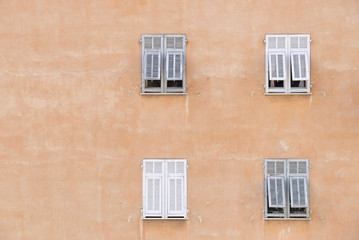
74,128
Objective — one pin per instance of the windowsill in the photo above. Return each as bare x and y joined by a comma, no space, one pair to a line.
164,219
287,219
161,94
286,94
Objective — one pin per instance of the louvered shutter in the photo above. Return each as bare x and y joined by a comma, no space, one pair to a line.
277,66
299,42
299,62
276,193
152,61
153,65
174,65
176,188
275,167
297,166
153,191
298,192
153,188
175,49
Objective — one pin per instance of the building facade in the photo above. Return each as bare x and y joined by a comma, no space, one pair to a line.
232,98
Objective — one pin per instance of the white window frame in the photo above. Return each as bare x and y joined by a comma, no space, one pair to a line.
164,88
287,89
165,212
288,211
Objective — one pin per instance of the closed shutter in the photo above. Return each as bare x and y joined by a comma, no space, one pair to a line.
299,62
276,193
153,203
153,188
176,188
298,192
277,66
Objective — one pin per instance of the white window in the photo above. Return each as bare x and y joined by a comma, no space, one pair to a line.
164,189
163,64
287,64
286,189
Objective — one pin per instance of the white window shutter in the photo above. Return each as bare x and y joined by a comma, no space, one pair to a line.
298,192
175,195
293,167
153,188
175,57
294,42
275,167
277,66
297,167
174,65
276,42
152,62
153,192
153,65
281,42
148,42
176,188
276,193
170,42
302,167
303,42
299,62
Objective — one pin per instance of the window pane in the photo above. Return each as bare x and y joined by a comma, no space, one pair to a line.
153,83
174,84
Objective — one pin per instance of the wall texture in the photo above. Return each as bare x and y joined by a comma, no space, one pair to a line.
74,128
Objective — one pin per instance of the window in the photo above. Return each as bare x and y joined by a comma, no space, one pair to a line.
164,189
163,64
286,188
288,64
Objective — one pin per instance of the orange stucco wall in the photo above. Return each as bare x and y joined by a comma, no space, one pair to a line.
74,128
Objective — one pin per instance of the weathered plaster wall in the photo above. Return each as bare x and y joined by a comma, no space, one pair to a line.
74,128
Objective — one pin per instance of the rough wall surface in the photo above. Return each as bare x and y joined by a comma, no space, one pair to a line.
74,128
